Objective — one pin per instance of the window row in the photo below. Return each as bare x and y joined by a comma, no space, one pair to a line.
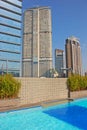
10,7
17,2
8,38
10,14
9,56
9,30
9,47
10,22
10,65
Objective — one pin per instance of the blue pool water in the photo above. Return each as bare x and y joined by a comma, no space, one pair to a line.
69,116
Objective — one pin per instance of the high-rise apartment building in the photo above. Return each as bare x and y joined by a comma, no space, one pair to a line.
59,62
73,56
10,36
37,43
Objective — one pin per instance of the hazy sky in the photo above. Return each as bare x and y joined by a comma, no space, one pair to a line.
69,18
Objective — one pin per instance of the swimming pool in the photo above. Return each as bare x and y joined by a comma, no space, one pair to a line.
68,116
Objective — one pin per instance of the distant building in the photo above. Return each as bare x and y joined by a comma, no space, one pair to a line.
37,43
59,62
10,36
85,73
73,56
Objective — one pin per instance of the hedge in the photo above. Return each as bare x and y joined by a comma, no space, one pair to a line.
77,82
9,86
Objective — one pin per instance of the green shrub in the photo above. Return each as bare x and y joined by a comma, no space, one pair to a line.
77,82
9,86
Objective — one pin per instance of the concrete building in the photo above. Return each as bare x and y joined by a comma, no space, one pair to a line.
10,36
73,56
37,43
59,62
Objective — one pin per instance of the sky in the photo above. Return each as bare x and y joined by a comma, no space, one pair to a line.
69,18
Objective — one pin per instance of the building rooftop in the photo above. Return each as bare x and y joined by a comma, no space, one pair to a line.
73,38
39,7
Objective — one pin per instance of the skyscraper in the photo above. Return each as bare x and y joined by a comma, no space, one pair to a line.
59,63
73,56
10,36
37,43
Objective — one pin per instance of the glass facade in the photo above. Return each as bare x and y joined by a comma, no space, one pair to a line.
59,63
10,22
10,36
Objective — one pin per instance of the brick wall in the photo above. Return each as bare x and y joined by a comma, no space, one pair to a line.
34,90
78,94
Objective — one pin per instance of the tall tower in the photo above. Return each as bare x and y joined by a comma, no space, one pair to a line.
59,61
37,44
73,56
10,36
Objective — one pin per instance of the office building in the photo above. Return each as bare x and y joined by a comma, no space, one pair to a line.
10,36
85,73
59,62
73,56
37,43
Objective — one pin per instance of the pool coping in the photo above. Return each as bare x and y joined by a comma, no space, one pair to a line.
41,104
